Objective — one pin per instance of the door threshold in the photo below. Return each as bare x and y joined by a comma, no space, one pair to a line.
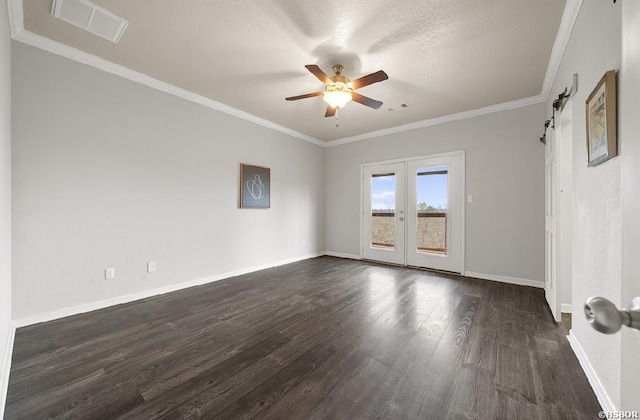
383,263
433,270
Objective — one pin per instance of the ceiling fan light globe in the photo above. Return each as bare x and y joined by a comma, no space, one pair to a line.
337,95
337,99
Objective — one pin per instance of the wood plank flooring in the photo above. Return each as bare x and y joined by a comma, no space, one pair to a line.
324,338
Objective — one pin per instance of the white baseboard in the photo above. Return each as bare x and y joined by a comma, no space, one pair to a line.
341,255
501,279
505,279
592,376
88,307
6,368
92,306
566,308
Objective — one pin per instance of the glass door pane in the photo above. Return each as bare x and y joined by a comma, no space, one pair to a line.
383,201
383,211
435,212
432,205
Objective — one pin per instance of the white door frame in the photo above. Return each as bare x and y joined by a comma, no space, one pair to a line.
564,210
629,129
559,211
463,178
551,286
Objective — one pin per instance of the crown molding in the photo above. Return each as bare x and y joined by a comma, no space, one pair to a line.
505,106
16,18
567,22
19,33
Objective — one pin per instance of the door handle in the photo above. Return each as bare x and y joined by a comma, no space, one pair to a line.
605,317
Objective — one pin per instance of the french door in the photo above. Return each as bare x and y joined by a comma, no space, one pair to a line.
383,221
413,212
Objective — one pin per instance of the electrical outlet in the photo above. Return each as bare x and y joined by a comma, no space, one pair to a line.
151,266
109,273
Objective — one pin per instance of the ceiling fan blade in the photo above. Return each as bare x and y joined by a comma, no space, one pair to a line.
371,103
307,95
376,77
331,111
317,71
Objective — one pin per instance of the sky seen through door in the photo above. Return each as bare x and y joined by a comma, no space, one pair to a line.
431,189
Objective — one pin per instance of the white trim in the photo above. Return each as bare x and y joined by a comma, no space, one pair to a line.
6,367
592,376
569,17
361,214
505,106
463,212
412,158
341,255
20,34
566,308
88,307
16,18
567,22
506,279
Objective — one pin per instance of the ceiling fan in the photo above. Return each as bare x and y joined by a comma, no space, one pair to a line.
340,90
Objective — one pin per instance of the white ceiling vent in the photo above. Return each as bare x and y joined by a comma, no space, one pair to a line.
402,105
90,17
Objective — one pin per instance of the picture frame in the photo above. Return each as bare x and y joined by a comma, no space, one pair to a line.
255,186
600,106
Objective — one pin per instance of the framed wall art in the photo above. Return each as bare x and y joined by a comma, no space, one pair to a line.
602,141
255,186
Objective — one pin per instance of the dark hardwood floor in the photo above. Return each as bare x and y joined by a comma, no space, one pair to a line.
324,338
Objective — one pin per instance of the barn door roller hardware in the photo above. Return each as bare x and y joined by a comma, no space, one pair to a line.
557,105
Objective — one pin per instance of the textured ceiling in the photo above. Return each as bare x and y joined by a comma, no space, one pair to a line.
442,56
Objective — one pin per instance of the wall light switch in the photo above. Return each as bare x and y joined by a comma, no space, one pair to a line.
151,266
469,198
109,273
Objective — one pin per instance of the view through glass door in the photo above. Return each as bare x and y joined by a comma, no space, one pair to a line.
434,213
413,212
383,221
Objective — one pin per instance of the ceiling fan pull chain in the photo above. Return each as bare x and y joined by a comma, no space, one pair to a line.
337,109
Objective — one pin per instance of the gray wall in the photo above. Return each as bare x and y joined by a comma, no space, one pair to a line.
594,48
5,195
110,173
504,174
